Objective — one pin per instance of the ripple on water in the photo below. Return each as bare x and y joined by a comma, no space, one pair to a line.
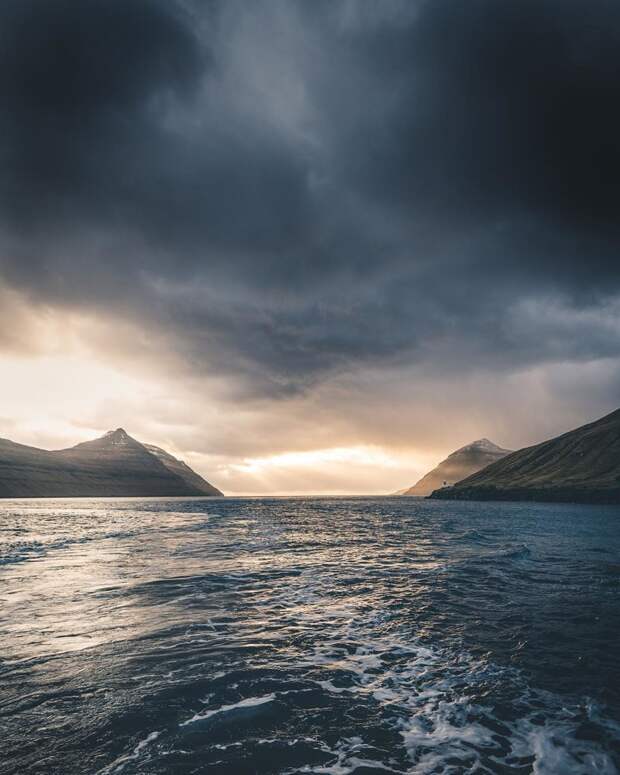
334,636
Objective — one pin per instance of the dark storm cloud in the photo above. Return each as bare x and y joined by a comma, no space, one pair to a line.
483,105
492,113
78,81
290,189
90,94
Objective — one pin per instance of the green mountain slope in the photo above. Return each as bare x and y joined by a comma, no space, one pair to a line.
457,466
582,465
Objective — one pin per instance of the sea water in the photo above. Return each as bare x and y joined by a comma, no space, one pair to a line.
314,635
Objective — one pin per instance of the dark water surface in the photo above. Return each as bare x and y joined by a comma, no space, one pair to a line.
308,636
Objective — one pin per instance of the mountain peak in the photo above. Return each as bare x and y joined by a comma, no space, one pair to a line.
119,436
114,464
580,466
458,465
483,444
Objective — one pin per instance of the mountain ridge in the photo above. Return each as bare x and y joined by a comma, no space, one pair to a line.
581,466
114,464
459,464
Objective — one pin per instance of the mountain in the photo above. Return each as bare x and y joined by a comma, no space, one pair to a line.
464,462
180,468
582,465
114,465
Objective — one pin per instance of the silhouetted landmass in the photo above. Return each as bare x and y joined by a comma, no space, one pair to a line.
460,464
581,466
113,465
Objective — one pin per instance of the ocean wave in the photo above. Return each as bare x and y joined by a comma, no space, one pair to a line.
248,703
436,701
388,645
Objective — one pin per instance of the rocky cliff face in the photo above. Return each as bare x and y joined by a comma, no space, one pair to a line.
114,465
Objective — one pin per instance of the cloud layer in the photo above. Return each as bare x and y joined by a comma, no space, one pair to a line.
288,200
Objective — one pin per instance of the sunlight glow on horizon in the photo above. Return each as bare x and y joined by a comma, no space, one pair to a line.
359,469
82,397
364,455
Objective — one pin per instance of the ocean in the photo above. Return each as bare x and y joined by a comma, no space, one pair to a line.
308,635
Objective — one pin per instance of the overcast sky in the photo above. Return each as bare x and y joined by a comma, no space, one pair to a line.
309,246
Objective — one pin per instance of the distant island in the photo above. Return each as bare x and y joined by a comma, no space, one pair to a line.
113,465
465,461
581,466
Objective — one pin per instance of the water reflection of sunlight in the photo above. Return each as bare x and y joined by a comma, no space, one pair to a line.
79,592
121,574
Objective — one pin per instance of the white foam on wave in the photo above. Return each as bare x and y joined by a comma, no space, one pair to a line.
551,757
434,698
249,702
118,765
349,755
440,701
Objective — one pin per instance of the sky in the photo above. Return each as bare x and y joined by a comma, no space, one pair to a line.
310,247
